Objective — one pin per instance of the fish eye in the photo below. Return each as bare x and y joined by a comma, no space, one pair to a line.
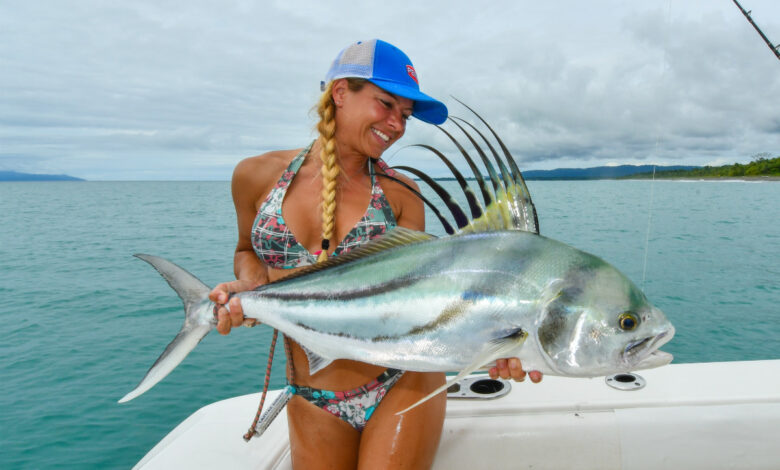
628,321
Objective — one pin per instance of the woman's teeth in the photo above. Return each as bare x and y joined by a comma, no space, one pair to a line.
381,135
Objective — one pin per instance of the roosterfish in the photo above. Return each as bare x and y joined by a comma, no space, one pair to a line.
492,288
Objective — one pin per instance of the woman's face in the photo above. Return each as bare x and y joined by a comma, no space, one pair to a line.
370,120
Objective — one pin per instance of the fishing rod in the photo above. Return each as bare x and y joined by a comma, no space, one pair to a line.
775,49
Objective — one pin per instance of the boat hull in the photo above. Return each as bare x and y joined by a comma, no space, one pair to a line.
707,415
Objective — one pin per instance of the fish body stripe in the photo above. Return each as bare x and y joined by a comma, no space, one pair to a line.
341,296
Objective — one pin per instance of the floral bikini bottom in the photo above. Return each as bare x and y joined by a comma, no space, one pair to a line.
353,406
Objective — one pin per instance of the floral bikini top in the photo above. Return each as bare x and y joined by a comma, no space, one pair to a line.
278,248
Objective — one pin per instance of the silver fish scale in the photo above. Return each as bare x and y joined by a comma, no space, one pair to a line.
407,317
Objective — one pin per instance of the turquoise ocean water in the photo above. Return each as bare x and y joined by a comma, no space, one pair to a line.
82,320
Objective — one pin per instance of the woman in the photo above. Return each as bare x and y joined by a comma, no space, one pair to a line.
297,207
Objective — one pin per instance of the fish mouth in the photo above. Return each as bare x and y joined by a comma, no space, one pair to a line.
653,360
644,353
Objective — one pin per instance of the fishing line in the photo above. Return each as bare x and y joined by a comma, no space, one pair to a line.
662,81
649,224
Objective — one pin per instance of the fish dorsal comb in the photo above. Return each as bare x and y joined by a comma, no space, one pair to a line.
509,210
508,204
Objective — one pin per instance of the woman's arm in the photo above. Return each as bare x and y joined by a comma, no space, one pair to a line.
250,183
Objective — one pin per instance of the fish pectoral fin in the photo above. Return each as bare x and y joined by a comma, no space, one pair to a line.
507,340
497,348
316,362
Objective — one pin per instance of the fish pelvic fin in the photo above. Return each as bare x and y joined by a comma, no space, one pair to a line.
495,349
198,322
316,362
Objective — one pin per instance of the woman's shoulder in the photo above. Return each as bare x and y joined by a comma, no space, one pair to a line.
389,185
407,206
262,171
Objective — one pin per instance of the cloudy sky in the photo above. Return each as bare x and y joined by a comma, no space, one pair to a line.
109,90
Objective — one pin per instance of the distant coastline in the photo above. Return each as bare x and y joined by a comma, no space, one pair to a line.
18,176
593,173
760,169
599,172
708,178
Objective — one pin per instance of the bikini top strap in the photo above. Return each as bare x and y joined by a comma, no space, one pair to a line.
385,168
382,166
297,162
376,188
287,176
273,202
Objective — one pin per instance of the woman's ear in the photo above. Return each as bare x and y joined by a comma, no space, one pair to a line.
338,91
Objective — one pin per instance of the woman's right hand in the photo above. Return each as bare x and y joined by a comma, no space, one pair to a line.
226,320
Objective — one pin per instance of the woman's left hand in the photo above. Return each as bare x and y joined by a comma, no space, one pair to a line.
512,368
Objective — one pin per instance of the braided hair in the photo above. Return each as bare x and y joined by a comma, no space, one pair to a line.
326,109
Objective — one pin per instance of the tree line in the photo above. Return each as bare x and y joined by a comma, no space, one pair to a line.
763,164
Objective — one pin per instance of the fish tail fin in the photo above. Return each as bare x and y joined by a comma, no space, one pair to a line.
198,322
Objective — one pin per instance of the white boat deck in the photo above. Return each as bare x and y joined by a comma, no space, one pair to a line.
688,416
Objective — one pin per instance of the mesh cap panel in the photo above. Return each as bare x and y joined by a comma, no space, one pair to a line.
354,61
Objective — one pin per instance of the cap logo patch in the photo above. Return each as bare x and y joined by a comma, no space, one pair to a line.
412,73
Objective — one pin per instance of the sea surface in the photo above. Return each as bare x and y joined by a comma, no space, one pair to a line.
82,320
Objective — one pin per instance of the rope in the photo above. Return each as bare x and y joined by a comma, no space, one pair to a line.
252,429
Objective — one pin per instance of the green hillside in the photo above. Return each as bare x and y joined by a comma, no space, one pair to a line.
762,165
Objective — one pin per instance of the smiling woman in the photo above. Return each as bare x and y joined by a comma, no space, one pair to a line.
299,207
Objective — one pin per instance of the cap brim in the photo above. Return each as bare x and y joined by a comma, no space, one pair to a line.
426,108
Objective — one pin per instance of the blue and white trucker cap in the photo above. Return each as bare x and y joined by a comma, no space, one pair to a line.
390,69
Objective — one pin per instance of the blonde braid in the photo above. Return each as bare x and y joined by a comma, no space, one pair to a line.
330,167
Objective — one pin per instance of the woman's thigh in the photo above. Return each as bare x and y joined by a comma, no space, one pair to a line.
319,440
410,440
